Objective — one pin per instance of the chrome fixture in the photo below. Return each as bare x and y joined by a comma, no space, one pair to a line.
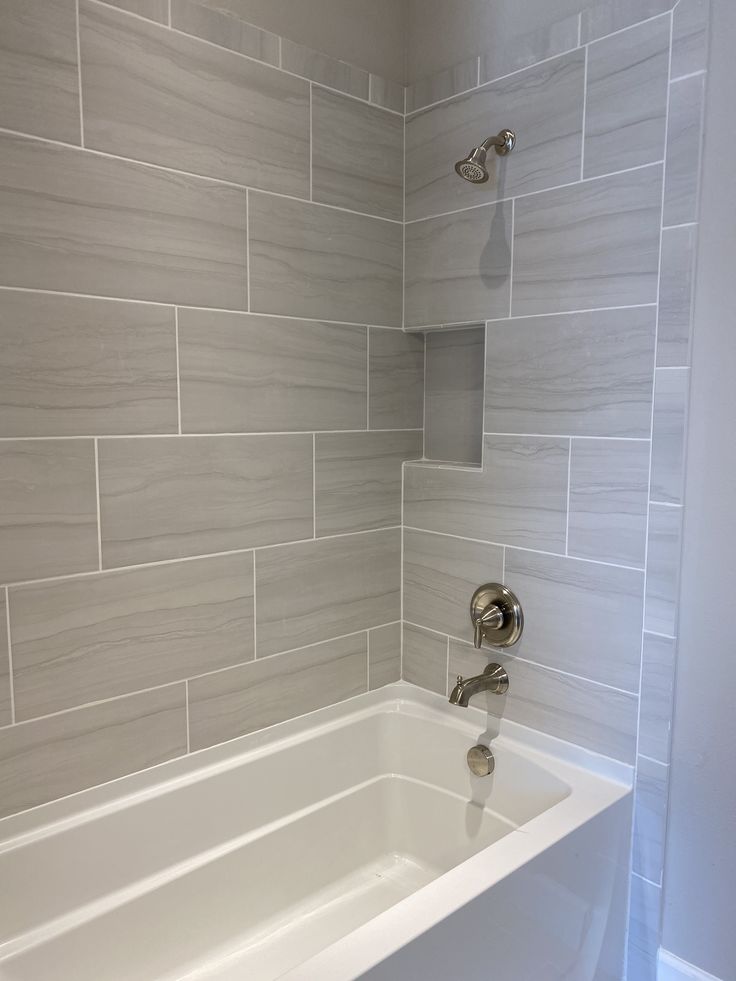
496,615
494,679
473,167
480,761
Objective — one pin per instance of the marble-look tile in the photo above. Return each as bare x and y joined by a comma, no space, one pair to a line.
357,155
605,644
207,19
657,694
663,564
684,145
578,711
595,244
676,286
250,697
502,58
621,128
48,508
155,95
171,497
157,10
609,491
690,37
82,223
396,380
424,660
245,373
650,819
50,758
519,498
442,85
614,15
671,390
39,88
5,699
336,585
643,939
83,640
440,576
387,94
591,374
453,395
320,68
543,105
458,267
307,260
358,479
71,366
384,655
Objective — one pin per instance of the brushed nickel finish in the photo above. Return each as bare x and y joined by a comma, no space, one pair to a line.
480,761
496,615
493,679
473,167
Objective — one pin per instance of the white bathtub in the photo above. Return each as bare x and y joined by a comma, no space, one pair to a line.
351,842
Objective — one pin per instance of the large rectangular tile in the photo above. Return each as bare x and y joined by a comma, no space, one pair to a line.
594,244
243,699
614,15
605,642
657,694
644,930
424,659
650,819
307,260
684,147
358,479
245,373
671,391
543,105
458,267
690,37
386,93
39,88
321,68
591,374
167,498
207,19
335,586
5,699
82,223
453,395
442,84
676,289
396,380
502,58
157,10
72,367
59,755
155,95
48,508
384,655
82,640
663,569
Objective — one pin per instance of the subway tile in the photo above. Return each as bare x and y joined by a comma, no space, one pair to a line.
458,267
609,490
650,819
657,695
243,699
595,244
320,68
246,373
5,699
424,659
357,155
310,261
440,576
671,392
643,936
171,497
82,223
39,87
615,15
82,640
689,37
684,145
591,374
388,94
396,380
384,655
453,396
72,366
677,280
518,498
157,10
48,508
358,479
502,58
442,85
62,754
663,564
155,95
621,128
206,19
336,586
543,105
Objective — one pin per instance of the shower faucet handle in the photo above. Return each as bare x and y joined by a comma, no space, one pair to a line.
496,615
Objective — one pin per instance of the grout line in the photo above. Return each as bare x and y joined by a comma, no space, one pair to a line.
631,27
178,369
314,485
99,509
656,633
11,679
652,759
431,328
683,224
511,263
186,690
615,439
585,110
666,504
231,435
638,875
255,609
79,76
567,513
683,78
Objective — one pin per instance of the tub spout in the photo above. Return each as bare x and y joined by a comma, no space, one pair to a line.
493,679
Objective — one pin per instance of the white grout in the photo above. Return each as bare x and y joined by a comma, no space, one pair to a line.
431,328
615,439
11,678
232,435
97,501
683,78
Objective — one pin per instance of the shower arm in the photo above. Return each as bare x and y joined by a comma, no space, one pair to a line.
503,142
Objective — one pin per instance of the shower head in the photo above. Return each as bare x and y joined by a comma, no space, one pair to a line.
473,167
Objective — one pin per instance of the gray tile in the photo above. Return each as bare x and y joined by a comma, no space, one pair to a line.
442,85
663,564
543,105
595,244
39,87
676,285
643,938
502,58
72,367
621,128
614,15
591,374
605,644
155,95
50,758
48,509
157,10
384,655
684,145
82,223
307,260
609,490
650,819
206,19
320,68
671,392
440,576
336,585
657,693
690,37
82,640
453,396
579,711
424,659
357,155
243,699
5,700
519,498
245,373
458,267
358,479
396,380
171,497
388,94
